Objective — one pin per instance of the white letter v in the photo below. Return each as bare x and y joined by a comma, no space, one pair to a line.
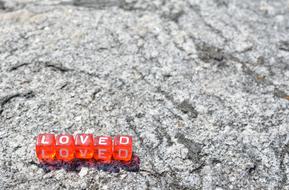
83,140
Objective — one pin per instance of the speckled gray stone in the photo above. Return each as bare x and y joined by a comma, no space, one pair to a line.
203,87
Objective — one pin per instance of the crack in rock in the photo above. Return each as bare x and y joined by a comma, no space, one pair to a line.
58,67
187,108
6,99
13,68
209,53
194,148
284,45
98,4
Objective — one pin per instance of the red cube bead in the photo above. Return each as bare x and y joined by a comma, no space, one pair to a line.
84,146
65,147
45,147
103,148
122,148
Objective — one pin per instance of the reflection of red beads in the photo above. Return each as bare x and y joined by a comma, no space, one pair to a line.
83,146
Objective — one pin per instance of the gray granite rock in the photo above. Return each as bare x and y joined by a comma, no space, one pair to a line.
203,87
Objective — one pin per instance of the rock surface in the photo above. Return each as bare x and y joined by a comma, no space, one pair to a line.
203,86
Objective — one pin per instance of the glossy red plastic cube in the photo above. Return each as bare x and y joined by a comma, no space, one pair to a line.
84,146
65,147
122,148
103,148
45,147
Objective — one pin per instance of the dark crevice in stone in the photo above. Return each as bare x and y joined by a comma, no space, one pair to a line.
28,95
252,169
57,67
245,68
139,115
198,168
215,161
19,66
187,108
261,60
284,45
174,16
63,86
6,99
54,67
280,94
95,93
258,79
208,53
98,4
194,148
161,133
197,10
167,76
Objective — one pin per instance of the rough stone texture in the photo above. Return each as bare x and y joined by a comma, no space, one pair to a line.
203,86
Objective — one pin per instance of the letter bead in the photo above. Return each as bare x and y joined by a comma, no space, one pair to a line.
45,147
122,148
103,148
84,146
65,147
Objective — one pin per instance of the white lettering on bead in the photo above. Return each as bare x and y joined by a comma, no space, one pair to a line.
83,139
123,140
64,139
102,140
43,140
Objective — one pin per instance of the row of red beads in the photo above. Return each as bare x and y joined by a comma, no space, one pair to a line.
65,147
